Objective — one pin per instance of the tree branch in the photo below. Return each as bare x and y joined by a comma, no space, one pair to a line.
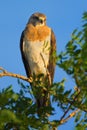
70,116
6,73
75,98
62,119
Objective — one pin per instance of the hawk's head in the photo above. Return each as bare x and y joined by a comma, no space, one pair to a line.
37,19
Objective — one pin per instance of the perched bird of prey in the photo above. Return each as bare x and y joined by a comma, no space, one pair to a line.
38,45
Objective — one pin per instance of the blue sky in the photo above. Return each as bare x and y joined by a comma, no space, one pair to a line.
63,16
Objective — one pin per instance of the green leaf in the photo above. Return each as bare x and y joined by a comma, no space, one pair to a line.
8,89
15,96
78,116
45,127
7,115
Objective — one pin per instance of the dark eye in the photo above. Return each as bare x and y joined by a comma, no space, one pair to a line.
41,21
36,18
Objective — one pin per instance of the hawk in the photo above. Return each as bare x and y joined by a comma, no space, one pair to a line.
38,46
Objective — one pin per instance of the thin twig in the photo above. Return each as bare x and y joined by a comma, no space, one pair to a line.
6,73
70,105
64,120
70,116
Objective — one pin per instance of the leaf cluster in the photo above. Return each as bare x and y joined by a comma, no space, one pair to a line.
74,62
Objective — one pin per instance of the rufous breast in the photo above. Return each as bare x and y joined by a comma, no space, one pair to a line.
36,33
